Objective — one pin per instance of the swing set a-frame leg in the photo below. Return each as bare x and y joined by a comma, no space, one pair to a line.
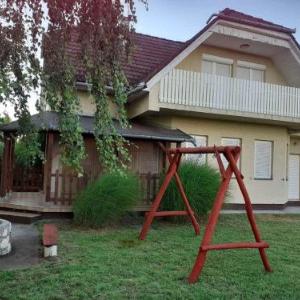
210,228
213,218
249,211
189,210
186,202
172,171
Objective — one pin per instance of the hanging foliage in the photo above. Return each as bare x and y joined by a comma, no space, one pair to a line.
102,30
20,35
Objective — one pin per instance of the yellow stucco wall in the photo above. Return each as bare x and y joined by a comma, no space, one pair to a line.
294,147
261,191
193,62
87,104
138,106
147,103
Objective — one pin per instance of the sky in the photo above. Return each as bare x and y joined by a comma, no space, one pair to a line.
181,19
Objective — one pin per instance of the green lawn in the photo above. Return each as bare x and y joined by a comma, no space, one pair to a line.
113,264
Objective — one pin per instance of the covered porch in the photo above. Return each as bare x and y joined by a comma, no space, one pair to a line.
51,187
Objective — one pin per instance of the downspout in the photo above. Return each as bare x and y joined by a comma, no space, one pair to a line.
212,16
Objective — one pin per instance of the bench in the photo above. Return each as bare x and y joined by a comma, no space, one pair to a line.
50,239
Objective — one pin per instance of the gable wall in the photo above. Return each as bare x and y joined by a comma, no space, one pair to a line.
193,62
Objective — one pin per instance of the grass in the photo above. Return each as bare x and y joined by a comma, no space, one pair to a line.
113,264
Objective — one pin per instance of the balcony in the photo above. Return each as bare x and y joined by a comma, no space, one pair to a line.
193,91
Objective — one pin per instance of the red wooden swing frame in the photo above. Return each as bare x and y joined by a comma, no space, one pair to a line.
232,154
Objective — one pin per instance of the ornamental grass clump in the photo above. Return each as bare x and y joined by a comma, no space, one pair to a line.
200,183
106,200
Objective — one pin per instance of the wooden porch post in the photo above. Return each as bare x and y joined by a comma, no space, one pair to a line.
48,164
7,165
11,163
164,158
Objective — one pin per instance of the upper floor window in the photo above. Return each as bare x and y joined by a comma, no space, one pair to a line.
250,71
217,65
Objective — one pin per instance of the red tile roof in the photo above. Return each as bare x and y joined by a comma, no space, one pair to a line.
236,16
151,54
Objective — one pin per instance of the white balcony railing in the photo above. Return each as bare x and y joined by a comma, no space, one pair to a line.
203,90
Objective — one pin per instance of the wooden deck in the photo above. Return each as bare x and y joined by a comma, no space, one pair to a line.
35,202
32,201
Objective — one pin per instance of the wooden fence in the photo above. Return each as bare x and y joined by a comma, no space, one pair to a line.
64,187
150,185
27,179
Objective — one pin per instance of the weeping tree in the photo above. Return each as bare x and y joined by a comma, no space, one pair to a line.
4,119
31,29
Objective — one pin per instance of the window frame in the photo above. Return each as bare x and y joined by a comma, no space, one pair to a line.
217,59
272,160
251,66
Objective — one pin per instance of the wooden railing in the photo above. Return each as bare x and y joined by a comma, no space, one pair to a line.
64,187
150,184
195,89
27,179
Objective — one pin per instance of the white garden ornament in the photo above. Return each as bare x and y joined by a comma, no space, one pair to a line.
5,237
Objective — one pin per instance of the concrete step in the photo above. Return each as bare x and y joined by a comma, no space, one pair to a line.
19,216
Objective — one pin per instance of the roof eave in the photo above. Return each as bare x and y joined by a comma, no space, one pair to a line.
44,122
255,24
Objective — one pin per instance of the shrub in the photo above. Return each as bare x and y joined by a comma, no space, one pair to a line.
200,183
106,200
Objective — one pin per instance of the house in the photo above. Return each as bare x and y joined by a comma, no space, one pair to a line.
236,82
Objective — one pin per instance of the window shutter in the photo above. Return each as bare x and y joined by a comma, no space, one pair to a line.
258,75
243,73
229,142
263,160
207,67
223,69
217,65
201,141
250,73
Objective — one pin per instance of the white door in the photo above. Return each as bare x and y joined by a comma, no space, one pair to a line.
294,177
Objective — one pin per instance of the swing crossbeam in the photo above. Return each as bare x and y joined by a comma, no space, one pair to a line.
231,154
170,213
240,245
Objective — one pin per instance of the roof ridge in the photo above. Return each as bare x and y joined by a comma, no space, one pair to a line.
229,13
